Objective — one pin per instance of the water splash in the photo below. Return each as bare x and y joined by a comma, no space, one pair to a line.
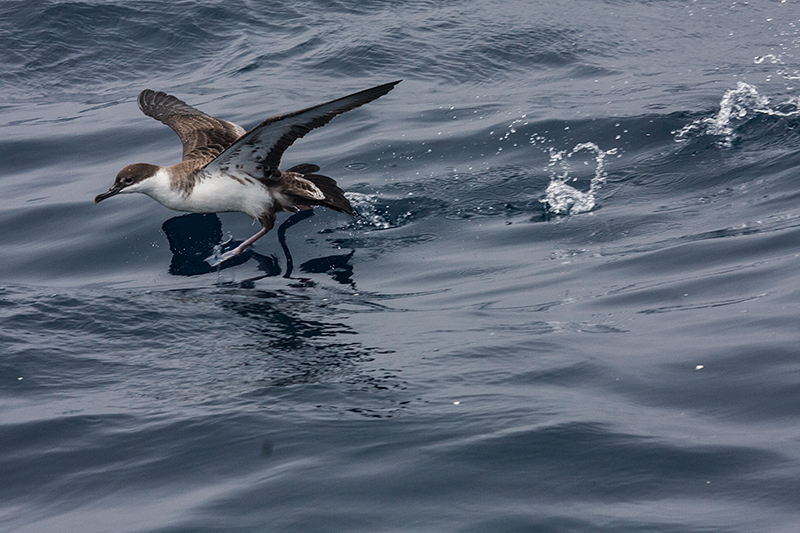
379,213
562,198
737,106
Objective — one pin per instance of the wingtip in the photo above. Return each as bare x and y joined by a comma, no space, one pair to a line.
141,100
380,90
385,86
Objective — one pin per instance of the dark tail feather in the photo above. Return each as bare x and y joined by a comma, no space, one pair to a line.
334,196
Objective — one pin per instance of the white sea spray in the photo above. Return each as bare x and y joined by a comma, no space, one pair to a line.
736,107
562,198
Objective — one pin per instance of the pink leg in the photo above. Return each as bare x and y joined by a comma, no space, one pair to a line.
241,248
246,244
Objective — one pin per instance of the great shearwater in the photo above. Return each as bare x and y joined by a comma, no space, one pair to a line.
226,168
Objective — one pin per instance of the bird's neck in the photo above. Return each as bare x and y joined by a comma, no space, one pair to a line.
162,188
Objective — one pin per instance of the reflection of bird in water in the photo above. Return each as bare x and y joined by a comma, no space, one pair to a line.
194,237
291,221
225,168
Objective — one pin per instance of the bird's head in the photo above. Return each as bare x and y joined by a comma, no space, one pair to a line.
128,179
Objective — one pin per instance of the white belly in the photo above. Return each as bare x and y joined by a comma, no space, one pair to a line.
212,194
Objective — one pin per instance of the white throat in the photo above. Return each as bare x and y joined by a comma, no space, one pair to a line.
158,188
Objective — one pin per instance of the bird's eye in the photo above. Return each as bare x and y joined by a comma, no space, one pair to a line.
127,181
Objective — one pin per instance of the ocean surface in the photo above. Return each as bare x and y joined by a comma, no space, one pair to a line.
570,301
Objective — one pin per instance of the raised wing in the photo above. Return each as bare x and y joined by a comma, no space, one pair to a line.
203,137
258,153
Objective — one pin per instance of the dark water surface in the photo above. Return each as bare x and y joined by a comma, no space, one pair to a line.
569,302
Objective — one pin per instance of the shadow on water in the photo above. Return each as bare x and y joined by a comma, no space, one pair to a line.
194,237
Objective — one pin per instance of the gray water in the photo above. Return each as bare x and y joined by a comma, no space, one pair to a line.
568,303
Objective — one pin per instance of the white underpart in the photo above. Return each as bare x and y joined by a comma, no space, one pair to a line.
210,194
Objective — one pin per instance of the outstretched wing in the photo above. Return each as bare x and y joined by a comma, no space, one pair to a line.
203,137
258,153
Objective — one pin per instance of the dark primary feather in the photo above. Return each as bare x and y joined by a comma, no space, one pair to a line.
259,151
203,137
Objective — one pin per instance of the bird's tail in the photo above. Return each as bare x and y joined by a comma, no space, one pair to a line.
334,196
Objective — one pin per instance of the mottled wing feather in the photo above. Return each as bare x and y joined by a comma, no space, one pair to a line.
258,153
203,137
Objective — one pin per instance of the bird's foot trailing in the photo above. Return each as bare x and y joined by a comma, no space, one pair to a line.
216,259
